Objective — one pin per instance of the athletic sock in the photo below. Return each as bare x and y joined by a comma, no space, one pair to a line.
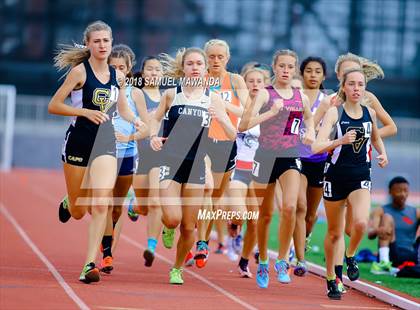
106,245
330,278
339,271
384,254
243,263
151,244
265,262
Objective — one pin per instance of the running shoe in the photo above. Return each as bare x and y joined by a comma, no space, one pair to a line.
340,286
220,249
168,236
231,253
333,291
301,269
237,244
282,269
106,265
245,273
381,268
189,260
202,254
175,276
148,256
89,274
352,268
63,210
132,215
262,277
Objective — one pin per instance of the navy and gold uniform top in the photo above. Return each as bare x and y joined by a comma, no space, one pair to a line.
86,140
351,160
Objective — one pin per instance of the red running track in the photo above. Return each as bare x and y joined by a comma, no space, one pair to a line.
41,258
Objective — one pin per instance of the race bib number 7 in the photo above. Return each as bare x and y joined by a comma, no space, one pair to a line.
295,126
293,123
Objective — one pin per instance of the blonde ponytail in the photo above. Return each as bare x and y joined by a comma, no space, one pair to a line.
174,67
370,68
70,56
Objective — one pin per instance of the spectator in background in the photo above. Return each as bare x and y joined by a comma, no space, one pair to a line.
396,227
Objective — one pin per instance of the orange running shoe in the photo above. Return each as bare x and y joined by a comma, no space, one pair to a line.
189,260
106,265
201,254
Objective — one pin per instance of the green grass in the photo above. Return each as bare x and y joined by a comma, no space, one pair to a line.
405,285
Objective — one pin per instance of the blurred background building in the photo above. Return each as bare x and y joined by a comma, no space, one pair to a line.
387,31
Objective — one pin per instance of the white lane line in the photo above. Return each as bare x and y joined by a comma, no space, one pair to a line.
195,275
141,247
354,307
69,291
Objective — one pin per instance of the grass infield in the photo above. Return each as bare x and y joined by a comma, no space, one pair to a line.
405,285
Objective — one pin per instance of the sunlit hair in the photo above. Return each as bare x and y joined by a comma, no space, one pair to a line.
125,52
256,67
346,57
219,42
69,56
174,67
285,52
341,94
370,68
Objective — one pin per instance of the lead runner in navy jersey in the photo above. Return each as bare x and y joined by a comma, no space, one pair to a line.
347,171
89,154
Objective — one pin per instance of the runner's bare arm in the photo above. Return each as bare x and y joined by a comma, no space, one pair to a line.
74,80
243,94
389,127
309,137
251,116
322,142
138,98
217,110
377,141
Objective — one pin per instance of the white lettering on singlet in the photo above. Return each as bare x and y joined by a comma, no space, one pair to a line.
190,111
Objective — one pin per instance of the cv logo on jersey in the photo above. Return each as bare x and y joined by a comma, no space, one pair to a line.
362,135
105,98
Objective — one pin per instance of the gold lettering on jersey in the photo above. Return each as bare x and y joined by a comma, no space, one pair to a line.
360,138
104,98
75,158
